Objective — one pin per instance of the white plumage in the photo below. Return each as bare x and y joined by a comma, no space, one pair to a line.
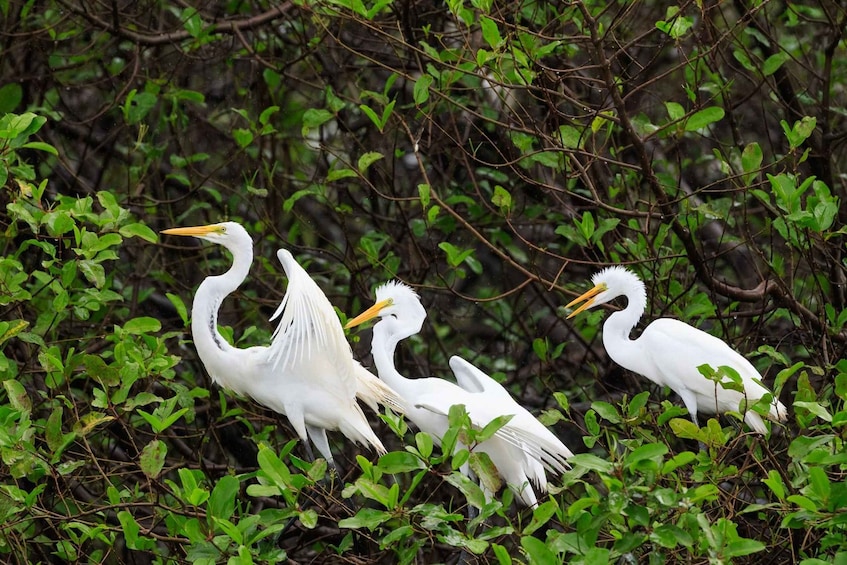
668,352
521,449
308,372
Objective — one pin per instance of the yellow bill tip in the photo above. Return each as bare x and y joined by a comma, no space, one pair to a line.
368,314
588,297
195,231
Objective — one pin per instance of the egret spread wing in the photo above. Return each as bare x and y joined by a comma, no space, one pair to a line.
308,324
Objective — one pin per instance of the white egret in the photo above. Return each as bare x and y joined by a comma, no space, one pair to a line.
520,450
668,352
307,373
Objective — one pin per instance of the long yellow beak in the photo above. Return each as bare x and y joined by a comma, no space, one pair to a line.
368,314
196,231
589,300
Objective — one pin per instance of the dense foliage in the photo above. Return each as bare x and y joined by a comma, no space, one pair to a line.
493,155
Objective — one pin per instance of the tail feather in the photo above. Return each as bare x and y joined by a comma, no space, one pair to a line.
373,391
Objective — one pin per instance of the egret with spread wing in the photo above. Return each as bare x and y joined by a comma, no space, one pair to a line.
307,372
521,449
669,352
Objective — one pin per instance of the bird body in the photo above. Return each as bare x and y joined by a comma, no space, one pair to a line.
307,373
515,464
521,450
669,352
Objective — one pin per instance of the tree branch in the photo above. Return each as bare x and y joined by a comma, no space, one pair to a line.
229,26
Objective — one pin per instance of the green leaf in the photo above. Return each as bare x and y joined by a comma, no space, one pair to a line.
685,429
397,535
222,500
53,429
677,461
309,518
424,443
338,174
751,160
468,488
312,190
314,118
138,229
273,467
537,552
160,424
180,306
591,462
819,484
17,395
670,536
502,199
743,547
745,61
367,159
492,427
138,105
192,22
455,256
490,32
399,462
93,272
502,554
152,458
607,411
674,24
648,451
570,136
541,515
803,502
424,193
10,329
815,408
243,137
675,111
370,114
774,482
130,528
421,89
265,117
40,146
540,347
485,471
699,120
774,62
800,131
142,325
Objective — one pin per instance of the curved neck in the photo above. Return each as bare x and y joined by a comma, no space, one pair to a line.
383,345
619,325
207,301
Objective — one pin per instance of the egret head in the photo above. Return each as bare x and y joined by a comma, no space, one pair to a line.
609,283
396,300
216,233
229,234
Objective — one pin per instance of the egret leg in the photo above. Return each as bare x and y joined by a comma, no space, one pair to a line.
309,453
690,402
318,437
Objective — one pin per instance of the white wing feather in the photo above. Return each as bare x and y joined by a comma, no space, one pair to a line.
308,324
